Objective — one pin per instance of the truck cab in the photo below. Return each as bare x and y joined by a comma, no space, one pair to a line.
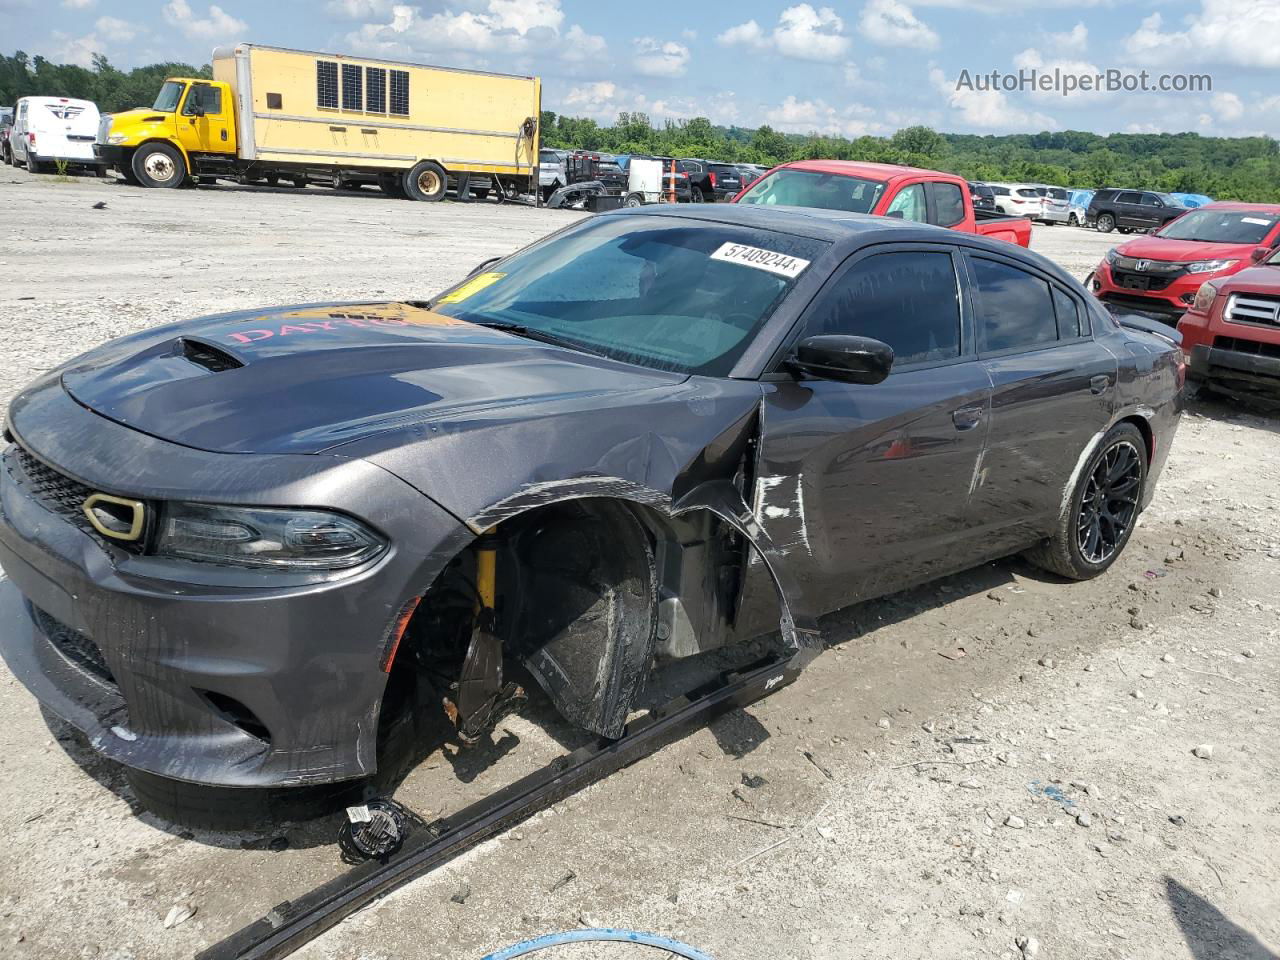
190,126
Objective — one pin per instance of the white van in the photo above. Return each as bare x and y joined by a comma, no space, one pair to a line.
51,129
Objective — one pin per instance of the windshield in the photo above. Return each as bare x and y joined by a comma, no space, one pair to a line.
655,291
827,191
168,97
1221,226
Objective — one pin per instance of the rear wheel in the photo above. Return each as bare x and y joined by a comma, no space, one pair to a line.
695,195
426,181
35,166
635,200
158,165
1102,510
1106,223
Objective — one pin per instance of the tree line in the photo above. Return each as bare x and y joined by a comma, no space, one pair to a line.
1228,168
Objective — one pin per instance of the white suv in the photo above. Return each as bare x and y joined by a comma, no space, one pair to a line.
1019,199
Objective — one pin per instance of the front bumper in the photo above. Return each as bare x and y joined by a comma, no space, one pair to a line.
1170,300
109,153
1248,372
158,662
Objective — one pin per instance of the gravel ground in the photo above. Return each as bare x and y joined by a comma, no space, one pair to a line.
997,759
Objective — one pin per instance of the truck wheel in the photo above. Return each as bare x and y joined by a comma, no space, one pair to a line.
635,200
1102,510
158,165
426,181
34,165
1106,223
695,195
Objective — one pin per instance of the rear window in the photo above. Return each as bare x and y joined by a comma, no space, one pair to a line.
1027,193
723,168
826,191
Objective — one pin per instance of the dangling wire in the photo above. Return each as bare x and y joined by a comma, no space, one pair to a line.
603,935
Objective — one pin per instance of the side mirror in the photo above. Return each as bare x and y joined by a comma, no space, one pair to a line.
195,110
896,215
1259,254
843,358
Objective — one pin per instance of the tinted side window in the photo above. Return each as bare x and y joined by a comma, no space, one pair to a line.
948,202
1014,308
909,300
1070,322
1151,200
1127,198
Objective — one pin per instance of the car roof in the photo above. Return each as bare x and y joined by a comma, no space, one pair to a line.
869,171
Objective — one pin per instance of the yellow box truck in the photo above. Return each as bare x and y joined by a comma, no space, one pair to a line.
273,114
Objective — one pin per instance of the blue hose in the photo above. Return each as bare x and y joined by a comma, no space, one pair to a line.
596,936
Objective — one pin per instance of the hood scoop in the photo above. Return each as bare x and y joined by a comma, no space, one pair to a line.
212,358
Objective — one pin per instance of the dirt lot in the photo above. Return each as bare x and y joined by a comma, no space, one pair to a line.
1042,785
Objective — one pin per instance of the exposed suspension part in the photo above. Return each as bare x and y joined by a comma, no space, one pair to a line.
480,699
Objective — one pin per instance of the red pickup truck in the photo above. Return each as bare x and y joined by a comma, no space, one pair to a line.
887,190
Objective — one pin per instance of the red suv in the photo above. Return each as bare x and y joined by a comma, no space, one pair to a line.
1231,334
1161,273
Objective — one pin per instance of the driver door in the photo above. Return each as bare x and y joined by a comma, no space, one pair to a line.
204,123
865,487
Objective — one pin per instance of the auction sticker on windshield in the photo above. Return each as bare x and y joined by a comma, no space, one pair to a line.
780,263
472,286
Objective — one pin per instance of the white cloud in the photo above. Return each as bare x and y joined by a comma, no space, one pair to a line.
655,58
1076,40
116,30
891,23
1227,106
603,100
218,25
357,9
76,50
78,4
817,116
988,109
1241,32
491,27
1032,59
802,33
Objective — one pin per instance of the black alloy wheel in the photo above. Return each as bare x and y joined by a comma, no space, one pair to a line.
1109,506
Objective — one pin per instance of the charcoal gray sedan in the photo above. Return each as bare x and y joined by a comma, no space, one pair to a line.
244,549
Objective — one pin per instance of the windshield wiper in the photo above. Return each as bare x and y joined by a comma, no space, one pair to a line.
533,333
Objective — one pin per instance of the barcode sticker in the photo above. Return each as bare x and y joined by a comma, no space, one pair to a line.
782,264
359,814
1256,221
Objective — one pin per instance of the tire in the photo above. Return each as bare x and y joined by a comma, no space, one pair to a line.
299,183
1086,542
236,808
158,165
1073,221
426,181
695,195
35,166
634,200
100,172
1106,223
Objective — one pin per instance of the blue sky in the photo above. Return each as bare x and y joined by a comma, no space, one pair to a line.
871,66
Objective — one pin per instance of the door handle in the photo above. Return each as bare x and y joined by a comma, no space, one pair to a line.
1099,384
966,418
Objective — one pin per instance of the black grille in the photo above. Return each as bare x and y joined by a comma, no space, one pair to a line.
55,491
74,646
1143,281
1248,346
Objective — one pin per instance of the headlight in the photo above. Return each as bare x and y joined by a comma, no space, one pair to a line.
1210,266
116,138
1111,255
1204,298
254,537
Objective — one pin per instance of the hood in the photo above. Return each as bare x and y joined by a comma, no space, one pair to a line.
1253,280
1162,248
304,379
142,116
